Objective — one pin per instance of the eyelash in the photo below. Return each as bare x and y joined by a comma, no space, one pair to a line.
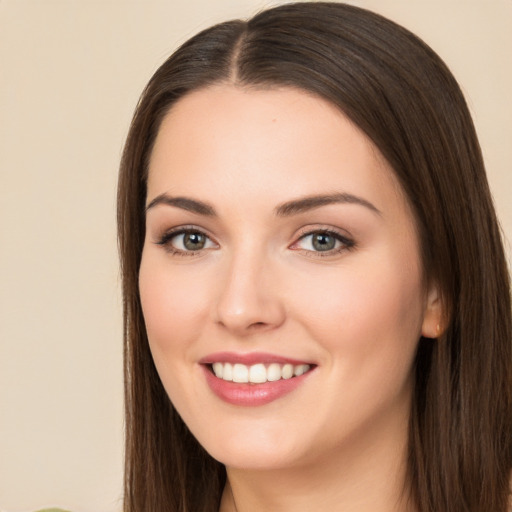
347,244
165,240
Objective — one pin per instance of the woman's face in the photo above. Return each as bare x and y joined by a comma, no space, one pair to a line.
279,242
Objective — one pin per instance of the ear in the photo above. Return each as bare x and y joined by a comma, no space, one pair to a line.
433,317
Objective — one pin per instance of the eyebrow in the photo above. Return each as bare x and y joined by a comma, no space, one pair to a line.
287,209
311,202
185,203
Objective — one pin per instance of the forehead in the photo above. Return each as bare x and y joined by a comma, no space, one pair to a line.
273,141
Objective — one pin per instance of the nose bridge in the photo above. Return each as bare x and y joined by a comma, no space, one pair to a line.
249,296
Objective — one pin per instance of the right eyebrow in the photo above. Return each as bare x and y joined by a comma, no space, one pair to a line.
311,202
185,203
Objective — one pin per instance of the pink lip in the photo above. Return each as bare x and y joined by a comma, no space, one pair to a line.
250,395
249,358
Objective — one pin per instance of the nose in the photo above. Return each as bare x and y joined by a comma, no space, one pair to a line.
249,297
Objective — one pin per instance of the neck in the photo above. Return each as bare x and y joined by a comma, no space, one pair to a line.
360,476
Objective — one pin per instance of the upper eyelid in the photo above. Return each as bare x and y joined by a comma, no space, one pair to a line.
345,238
186,228
163,238
334,234
310,230
300,234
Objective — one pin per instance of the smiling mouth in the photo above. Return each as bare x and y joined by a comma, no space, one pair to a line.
258,373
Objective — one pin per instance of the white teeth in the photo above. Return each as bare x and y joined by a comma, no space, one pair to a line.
227,372
257,373
287,371
300,369
274,372
240,373
217,369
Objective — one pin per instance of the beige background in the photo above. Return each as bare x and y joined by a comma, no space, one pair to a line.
70,75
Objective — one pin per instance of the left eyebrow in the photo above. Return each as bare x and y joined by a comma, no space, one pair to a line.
307,203
185,203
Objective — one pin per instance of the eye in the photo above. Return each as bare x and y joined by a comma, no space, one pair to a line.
323,241
184,241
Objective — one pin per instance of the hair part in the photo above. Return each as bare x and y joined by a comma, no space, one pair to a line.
403,97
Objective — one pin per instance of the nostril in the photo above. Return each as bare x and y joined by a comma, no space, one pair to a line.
257,325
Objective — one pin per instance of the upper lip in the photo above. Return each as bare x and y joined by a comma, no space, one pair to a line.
250,358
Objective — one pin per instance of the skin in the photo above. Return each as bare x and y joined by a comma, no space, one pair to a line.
338,441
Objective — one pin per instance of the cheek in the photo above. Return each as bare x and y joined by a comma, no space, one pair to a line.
173,304
174,314
368,326
368,318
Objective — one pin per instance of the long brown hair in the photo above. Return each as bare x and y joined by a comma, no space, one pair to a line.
398,91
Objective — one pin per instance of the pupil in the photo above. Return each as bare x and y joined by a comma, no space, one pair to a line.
193,241
323,242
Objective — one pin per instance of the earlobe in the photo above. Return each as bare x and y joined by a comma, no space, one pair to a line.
433,318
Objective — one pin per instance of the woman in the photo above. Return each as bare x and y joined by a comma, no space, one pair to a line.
317,302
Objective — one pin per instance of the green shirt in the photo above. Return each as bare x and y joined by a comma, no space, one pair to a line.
52,510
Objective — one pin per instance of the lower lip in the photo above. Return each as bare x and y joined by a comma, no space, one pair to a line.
251,395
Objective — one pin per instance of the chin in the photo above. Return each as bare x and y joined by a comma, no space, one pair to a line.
260,449
252,458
